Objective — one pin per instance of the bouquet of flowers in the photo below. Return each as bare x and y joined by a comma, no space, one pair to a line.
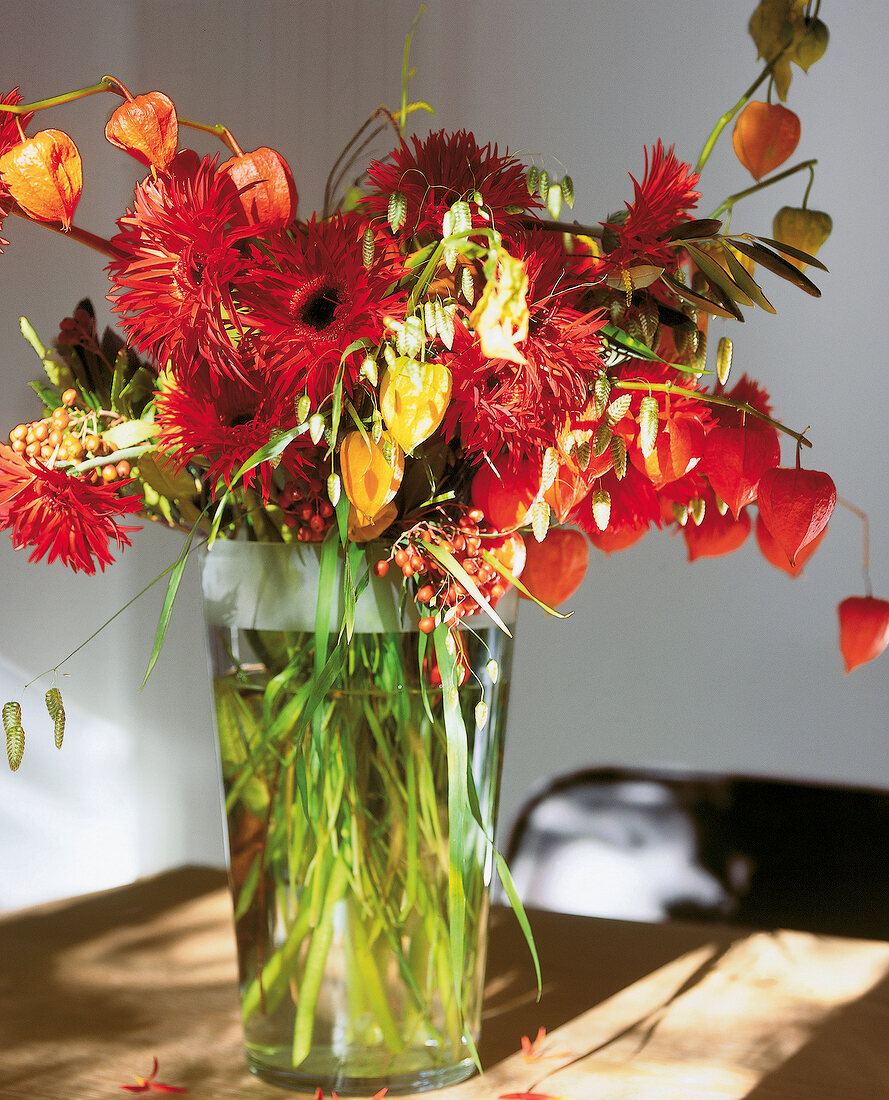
439,383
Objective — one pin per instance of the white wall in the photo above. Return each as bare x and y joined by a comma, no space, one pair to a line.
724,664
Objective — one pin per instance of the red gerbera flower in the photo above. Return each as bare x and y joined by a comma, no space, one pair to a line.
497,404
314,297
443,169
9,136
220,426
59,515
178,260
664,198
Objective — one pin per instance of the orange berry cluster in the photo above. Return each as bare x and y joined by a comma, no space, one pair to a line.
444,597
306,508
62,437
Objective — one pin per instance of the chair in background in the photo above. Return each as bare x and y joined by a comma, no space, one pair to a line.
649,844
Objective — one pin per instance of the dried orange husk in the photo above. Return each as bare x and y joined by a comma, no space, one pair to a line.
801,228
555,567
146,127
864,629
369,480
765,135
413,399
45,176
362,528
267,194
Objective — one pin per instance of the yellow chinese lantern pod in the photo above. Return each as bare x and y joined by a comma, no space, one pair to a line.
804,229
501,316
363,528
45,176
370,481
413,400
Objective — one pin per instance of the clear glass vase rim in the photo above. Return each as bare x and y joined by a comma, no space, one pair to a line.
274,586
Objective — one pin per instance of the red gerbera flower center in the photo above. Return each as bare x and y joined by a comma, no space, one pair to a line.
314,307
188,271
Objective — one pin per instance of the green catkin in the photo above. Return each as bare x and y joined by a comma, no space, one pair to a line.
15,735
57,712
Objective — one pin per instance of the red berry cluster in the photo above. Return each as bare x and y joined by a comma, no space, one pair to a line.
445,598
306,507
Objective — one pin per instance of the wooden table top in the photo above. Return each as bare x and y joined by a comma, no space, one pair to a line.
92,989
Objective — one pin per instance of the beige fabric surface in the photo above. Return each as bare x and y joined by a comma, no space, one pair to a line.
92,989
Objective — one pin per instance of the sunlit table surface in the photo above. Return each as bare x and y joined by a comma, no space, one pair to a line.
94,988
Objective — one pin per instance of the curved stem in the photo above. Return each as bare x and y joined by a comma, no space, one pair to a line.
725,119
865,558
91,240
216,130
714,399
762,184
106,84
809,187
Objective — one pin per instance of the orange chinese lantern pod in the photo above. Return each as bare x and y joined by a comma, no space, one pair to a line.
765,135
864,629
801,228
146,127
613,540
680,444
569,487
266,191
774,555
413,400
511,552
717,534
45,176
506,497
555,567
735,459
795,505
369,480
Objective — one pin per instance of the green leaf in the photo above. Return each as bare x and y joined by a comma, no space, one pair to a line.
130,432
745,280
776,264
176,570
727,310
717,276
695,230
447,559
458,798
796,253
506,879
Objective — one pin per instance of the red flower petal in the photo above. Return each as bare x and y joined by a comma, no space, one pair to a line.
796,505
864,629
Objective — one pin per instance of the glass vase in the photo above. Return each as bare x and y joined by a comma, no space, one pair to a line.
351,978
